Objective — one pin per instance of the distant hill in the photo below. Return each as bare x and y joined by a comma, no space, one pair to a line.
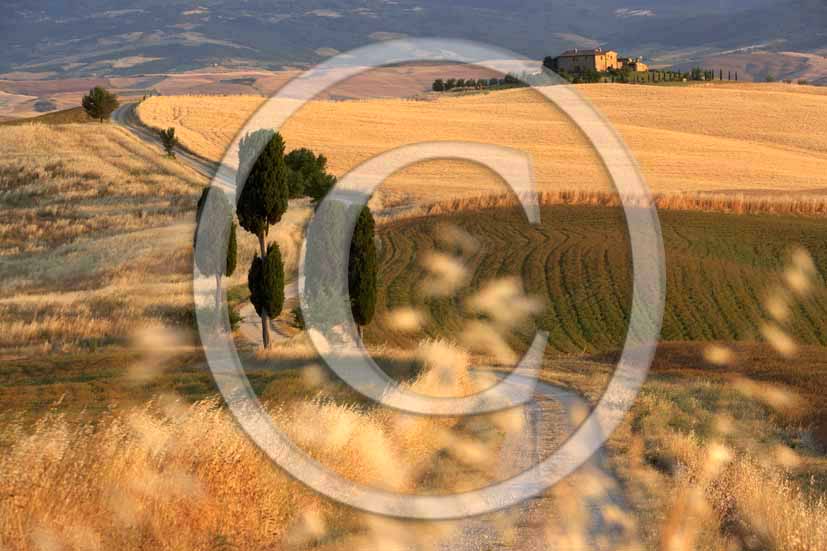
115,37
790,25
758,65
67,116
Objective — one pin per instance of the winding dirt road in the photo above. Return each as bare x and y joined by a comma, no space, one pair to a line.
126,117
547,426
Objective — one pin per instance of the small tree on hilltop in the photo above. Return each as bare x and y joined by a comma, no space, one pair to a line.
99,103
210,259
361,270
262,203
169,141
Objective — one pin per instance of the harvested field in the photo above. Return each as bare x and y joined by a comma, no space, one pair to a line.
717,138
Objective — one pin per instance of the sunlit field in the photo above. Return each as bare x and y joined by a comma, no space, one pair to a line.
113,434
715,138
97,236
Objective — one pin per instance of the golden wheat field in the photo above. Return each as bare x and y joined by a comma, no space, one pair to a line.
96,236
98,244
172,475
721,138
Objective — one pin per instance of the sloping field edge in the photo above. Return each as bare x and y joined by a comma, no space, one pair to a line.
741,204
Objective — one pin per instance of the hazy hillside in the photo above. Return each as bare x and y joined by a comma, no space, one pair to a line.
117,37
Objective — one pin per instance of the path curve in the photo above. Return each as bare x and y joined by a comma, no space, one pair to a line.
547,419
548,423
126,117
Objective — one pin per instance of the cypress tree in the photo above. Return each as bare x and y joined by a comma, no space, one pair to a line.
210,259
361,270
99,103
266,282
248,148
263,201
232,252
264,196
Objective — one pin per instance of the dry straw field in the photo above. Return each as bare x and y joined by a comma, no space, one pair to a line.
172,475
96,237
719,453
717,138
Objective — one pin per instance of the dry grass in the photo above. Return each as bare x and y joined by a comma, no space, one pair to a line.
706,202
96,237
174,476
706,465
688,139
724,484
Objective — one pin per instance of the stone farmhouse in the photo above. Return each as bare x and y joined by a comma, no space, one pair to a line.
578,61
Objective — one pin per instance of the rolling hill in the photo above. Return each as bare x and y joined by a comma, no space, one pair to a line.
746,138
113,37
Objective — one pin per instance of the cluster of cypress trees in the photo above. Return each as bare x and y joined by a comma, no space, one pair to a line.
262,203
267,182
509,81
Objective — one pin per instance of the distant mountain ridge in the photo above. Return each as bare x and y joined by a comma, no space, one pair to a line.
114,37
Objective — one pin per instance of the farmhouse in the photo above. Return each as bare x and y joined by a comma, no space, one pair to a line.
578,61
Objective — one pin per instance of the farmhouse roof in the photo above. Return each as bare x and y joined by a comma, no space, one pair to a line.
576,52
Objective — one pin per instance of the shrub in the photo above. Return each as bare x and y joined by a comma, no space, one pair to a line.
169,141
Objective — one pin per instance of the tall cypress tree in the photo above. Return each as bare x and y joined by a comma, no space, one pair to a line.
266,282
262,203
232,252
210,258
361,270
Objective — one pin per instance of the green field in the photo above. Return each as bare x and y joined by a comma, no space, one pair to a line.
720,268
